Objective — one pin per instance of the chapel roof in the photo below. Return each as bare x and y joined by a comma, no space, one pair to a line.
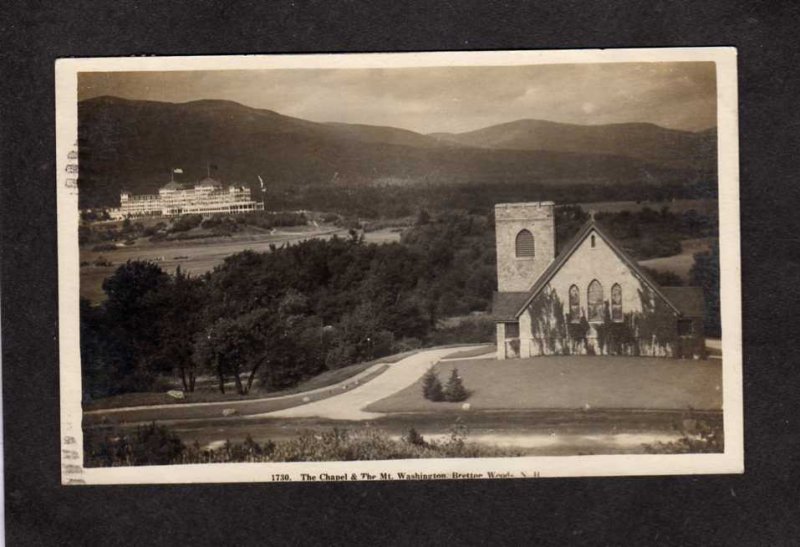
506,304
689,300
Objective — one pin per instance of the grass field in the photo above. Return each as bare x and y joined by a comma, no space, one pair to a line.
573,383
680,264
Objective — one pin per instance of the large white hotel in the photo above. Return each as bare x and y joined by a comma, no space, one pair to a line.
206,196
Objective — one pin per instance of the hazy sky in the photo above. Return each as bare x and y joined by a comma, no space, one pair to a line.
453,99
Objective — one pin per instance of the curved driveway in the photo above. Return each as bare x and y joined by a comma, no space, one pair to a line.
342,401
349,405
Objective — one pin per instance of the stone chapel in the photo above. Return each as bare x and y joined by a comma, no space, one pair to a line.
591,299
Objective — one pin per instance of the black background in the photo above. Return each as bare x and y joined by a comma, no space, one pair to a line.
761,507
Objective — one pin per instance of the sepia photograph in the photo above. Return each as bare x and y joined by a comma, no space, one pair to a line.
347,267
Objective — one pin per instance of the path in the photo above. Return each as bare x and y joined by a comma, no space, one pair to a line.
349,405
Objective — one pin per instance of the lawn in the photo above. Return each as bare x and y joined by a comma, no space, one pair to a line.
476,352
248,404
573,383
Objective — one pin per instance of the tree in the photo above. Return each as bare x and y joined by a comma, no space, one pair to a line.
130,283
414,437
231,347
454,391
131,315
432,386
705,274
182,303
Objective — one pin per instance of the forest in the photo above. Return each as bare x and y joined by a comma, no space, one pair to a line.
372,201
271,320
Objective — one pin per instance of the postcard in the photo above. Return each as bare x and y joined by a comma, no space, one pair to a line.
402,266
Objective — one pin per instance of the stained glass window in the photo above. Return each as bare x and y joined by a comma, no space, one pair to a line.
574,304
594,305
616,302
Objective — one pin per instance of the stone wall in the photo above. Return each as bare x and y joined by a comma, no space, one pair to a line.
519,274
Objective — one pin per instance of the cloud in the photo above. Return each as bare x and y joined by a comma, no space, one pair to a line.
455,99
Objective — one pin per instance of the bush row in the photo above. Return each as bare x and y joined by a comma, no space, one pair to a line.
155,444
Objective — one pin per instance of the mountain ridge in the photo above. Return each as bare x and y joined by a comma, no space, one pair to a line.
136,144
641,140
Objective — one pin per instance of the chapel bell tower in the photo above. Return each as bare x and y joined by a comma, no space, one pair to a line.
526,243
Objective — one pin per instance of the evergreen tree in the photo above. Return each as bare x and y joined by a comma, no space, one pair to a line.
413,437
454,391
432,387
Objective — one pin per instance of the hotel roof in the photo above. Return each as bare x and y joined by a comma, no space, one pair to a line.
208,181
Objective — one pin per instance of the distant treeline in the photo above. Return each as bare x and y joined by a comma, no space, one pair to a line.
395,201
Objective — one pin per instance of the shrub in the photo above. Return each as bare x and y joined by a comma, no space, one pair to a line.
185,223
140,381
104,247
407,344
432,387
149,445
700,437
454,391
157,445
413,437
472,330
339,356
103,261
381,344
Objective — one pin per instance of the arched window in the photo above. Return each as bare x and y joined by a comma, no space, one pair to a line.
594,304
616,302
574,304
593,242
524,244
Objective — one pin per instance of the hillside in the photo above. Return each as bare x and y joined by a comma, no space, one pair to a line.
642,141
135,144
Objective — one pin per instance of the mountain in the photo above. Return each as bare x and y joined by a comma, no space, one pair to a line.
643,141
387,135
134,145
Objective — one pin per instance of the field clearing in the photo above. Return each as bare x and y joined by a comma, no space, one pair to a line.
198,256
646,383
680,264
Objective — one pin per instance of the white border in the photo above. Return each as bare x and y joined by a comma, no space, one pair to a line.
731,461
